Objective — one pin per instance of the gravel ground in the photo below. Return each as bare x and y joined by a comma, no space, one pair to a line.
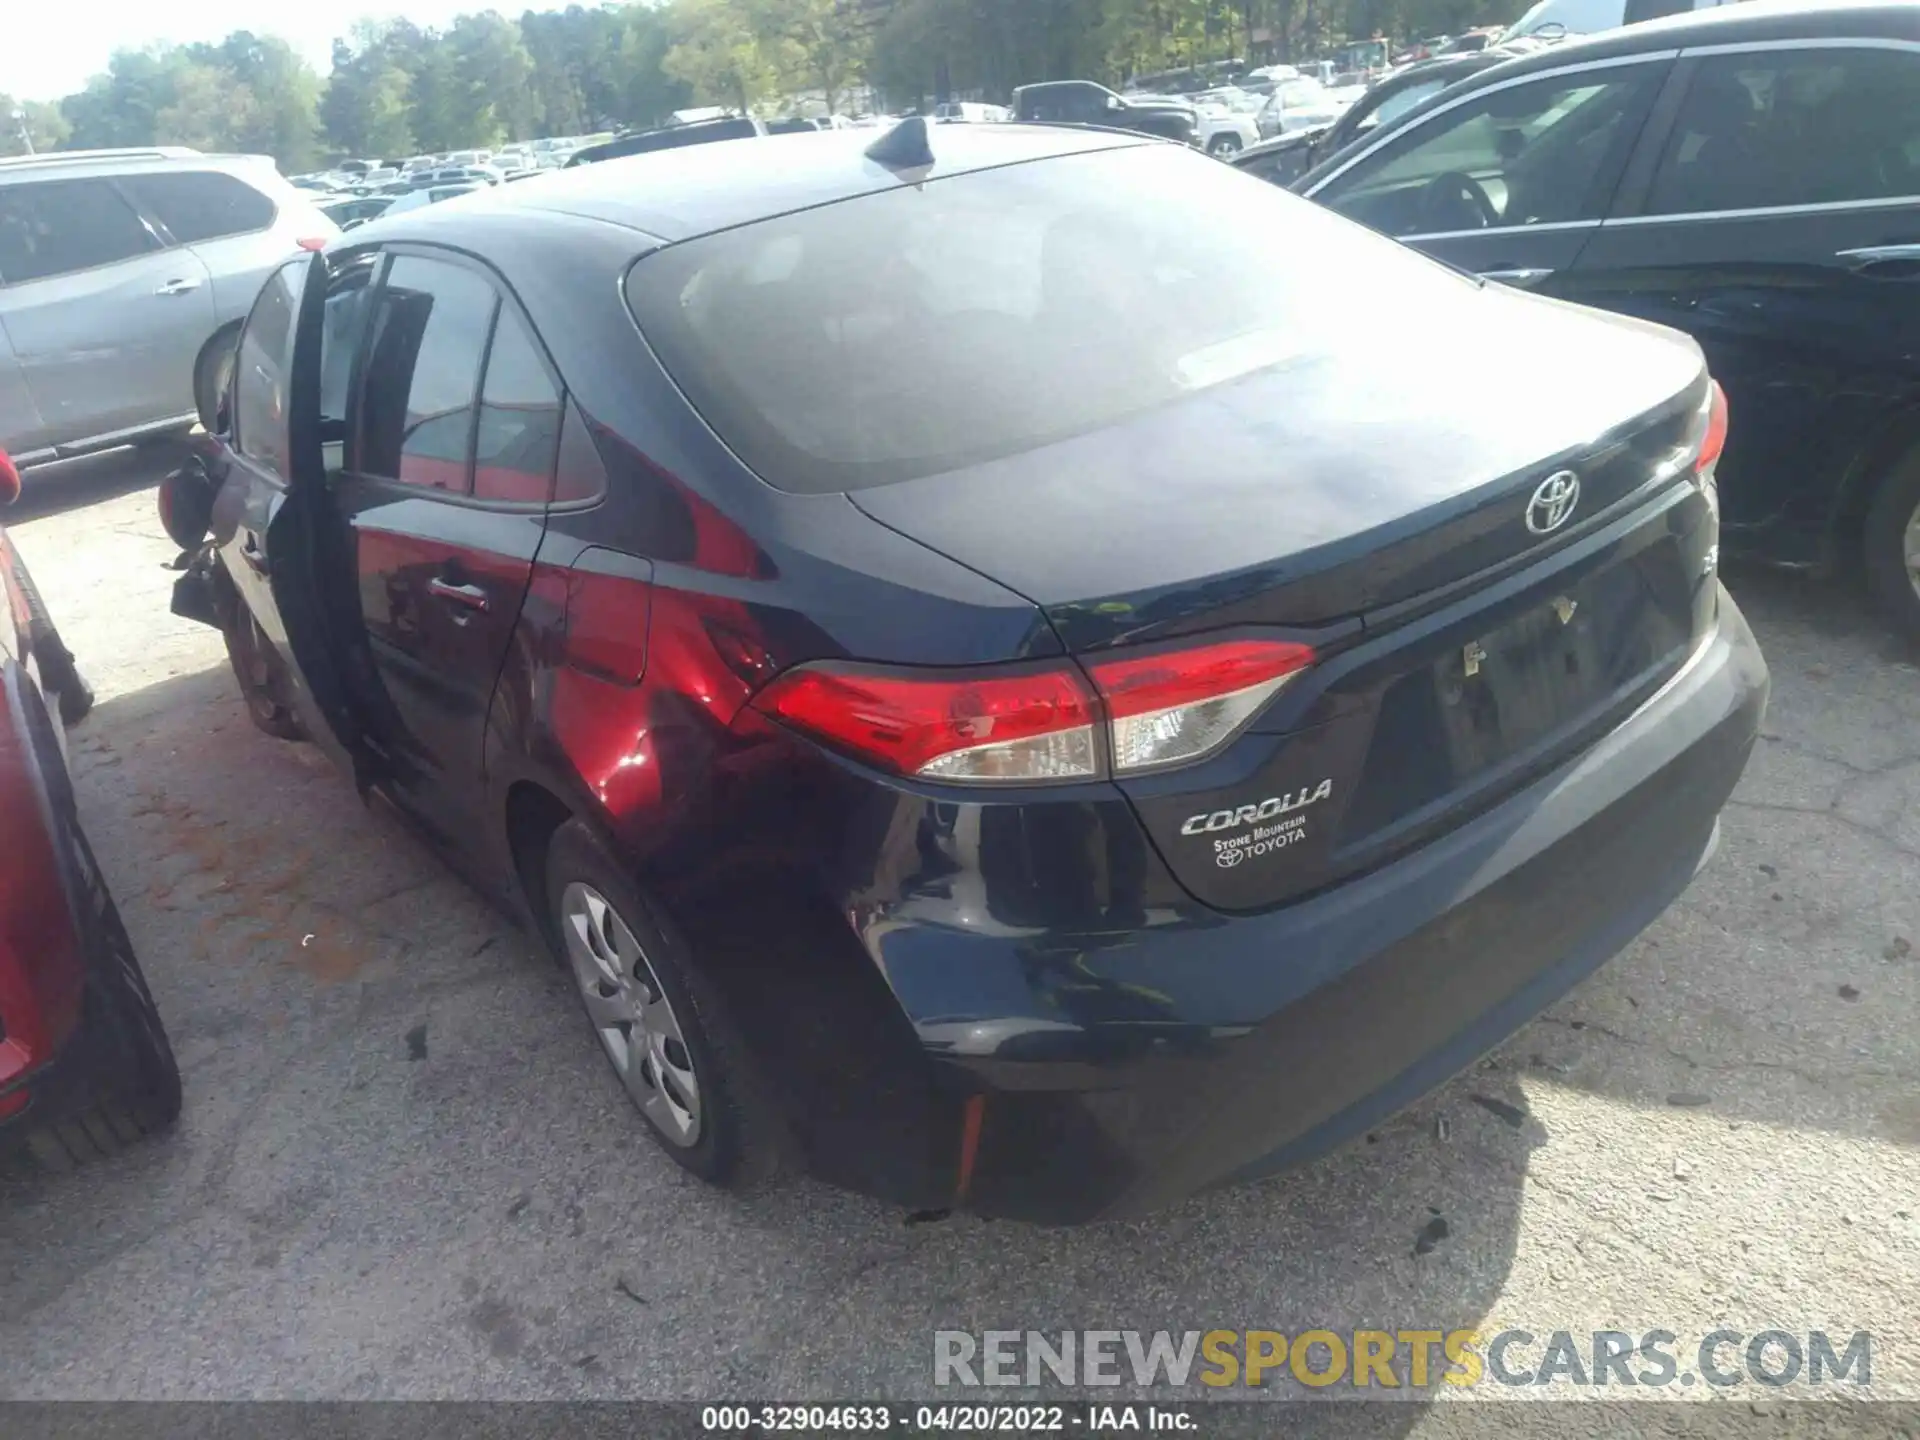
404,1171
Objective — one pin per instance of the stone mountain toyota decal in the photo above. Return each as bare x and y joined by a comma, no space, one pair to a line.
1266,837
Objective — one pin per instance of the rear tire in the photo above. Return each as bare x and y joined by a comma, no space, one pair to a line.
211,372
140,1095
1224,146
1892,558
262,683
737,1140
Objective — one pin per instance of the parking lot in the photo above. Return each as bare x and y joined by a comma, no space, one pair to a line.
403,1170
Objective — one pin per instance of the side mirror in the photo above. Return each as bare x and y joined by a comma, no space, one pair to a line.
9,479
1115,104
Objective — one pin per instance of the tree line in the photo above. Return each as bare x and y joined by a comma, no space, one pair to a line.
397,89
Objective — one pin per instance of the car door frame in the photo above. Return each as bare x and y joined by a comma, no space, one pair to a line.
1864,469
1529,256
383,733
268,521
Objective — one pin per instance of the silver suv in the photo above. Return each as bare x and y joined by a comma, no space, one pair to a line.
124,276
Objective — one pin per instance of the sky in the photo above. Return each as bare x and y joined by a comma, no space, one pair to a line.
53,47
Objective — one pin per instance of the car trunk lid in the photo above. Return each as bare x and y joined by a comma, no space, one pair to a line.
1336,484
1460,650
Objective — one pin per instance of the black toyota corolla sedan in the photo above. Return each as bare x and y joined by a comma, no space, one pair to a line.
1023,674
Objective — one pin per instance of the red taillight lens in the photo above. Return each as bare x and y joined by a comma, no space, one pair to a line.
1179,705
1029,726
1714,440
311,243
1035,725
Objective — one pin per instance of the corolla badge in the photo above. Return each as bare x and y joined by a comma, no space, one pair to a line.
1269,809
1553,502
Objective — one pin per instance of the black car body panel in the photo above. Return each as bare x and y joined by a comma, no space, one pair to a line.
1814,340
996,995
1270,531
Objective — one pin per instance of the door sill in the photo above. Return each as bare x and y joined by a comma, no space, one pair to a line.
112,440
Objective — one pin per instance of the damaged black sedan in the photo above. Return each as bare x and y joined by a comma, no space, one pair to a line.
1014,667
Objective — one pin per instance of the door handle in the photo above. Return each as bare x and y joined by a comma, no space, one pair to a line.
469,597
178,287
1892,262
1520,275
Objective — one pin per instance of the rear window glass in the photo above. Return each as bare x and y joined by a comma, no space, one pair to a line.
936,326
200,204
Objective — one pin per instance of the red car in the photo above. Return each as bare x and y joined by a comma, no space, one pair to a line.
85,1067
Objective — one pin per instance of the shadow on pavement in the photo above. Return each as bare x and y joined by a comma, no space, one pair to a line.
394,1112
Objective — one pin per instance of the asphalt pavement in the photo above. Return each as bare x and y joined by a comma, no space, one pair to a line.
404,1170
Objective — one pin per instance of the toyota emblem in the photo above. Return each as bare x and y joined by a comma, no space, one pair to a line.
1553,501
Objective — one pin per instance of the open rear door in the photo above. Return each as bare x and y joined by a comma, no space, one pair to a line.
323,626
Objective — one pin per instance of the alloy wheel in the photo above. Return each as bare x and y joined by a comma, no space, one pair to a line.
631,1014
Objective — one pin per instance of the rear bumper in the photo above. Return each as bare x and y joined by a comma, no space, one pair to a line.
1193,1049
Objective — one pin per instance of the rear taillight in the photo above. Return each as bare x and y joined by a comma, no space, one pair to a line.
1711,427
1714,439
1038,724
1032,725
1180,705
311,243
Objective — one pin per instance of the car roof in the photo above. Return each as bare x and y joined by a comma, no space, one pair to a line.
67,164
1731,24
676,194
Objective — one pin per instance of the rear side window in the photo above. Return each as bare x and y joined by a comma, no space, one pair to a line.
423,374
1545,152
200,204
61,226
260,370
926,328
1773,128
519,428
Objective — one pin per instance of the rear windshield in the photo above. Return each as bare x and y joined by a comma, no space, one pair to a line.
931,327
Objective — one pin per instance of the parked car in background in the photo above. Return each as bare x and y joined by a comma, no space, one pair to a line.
456,175
431,195
970,112
124,275
1750,175
1286,157
1162,632
1298,105
85,1066
356,210
1226,121
1081,102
